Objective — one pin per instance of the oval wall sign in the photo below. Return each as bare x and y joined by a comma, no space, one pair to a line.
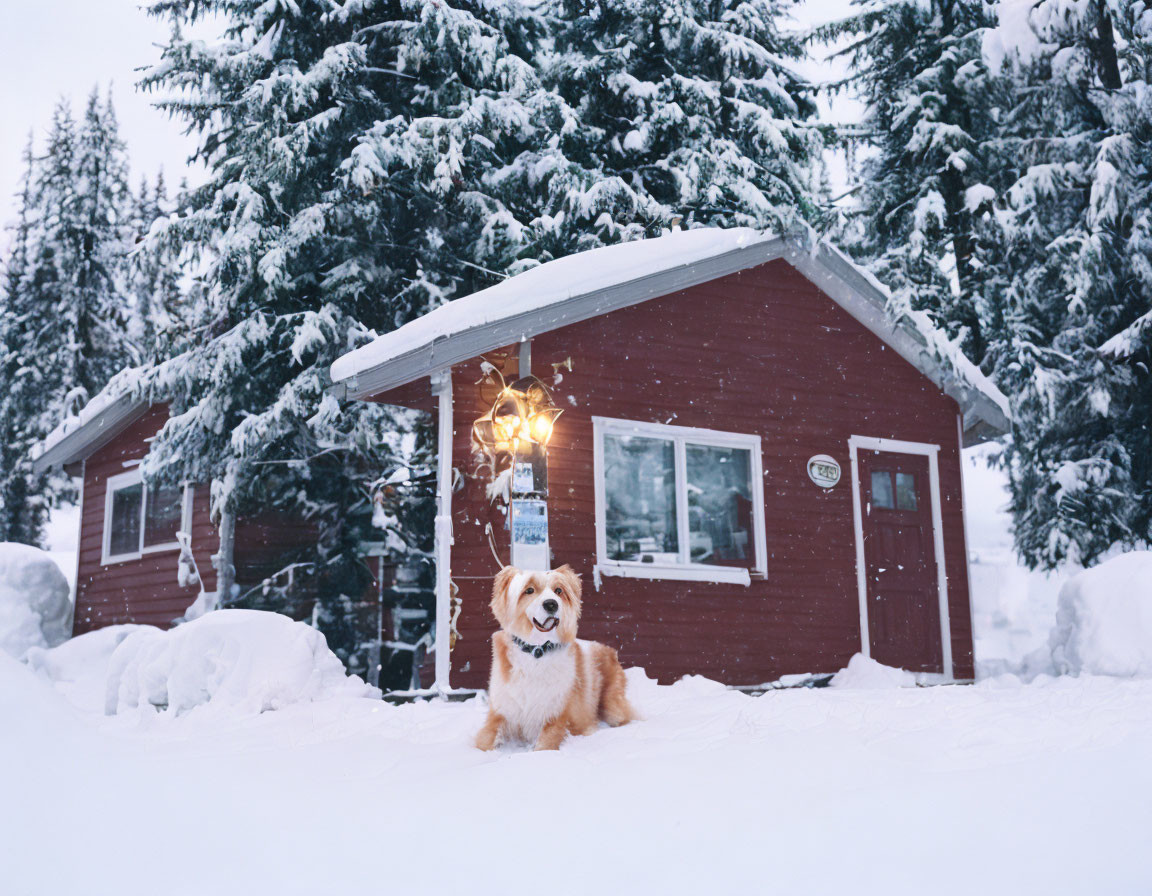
823,470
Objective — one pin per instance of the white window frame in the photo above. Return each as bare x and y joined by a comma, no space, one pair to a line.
680,436
126,480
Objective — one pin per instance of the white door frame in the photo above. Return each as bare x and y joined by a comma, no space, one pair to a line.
931,451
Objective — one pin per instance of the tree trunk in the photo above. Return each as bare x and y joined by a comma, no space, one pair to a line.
1106,49
223,560
959,224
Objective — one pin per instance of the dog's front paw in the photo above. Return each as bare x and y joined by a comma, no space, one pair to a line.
485,741
489,736
550,739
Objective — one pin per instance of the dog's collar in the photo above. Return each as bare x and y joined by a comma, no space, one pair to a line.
537,650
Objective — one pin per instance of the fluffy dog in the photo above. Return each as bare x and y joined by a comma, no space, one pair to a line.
546,684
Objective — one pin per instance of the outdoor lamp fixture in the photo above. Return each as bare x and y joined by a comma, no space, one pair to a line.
522,416
520,425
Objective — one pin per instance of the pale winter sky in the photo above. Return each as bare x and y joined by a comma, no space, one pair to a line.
54,48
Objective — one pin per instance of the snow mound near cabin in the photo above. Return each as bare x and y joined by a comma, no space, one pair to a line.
1104,619
78,668
865,673
237,662
35,607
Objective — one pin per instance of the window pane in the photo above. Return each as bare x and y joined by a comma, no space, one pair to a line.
640,498
882,490
906,491
163,514
719,505
125,535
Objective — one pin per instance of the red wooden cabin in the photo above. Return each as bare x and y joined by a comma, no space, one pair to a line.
127,558
717,380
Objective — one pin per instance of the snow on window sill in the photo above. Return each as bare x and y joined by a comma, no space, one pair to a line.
726,575
112,559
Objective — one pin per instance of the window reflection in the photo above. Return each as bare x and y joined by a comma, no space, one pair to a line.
906,491
719,505
125,535
882,490
163,515
640,493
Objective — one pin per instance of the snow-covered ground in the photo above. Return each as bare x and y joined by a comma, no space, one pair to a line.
996,788
867,787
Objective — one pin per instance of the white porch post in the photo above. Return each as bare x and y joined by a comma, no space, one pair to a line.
442,389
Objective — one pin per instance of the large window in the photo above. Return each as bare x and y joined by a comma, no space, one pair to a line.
678,503
140,520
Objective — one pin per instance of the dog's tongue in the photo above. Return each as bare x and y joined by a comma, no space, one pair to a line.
547,626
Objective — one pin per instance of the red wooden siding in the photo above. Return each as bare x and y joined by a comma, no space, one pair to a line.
143,590
762,351
266,543
146,590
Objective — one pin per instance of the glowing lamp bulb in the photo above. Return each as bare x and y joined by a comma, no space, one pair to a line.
541,428
508,428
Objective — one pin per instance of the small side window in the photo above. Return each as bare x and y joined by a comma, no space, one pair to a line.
882,497
139,520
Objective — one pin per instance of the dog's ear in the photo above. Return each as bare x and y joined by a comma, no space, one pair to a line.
500,585
571,580
571,618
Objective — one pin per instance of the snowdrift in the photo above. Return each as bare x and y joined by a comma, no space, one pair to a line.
79,667
1104,619
237,662
35,607
865,673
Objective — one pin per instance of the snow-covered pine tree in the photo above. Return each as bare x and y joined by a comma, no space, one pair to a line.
688,109
72,291
64,302
353,153
373,159
22,510
1075,353
103,240
922,219
158,322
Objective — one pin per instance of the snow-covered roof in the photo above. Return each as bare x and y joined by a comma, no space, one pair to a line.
106,414
588,284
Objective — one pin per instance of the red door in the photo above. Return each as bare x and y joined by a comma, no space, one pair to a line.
900,561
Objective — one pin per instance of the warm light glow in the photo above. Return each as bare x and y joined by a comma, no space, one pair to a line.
523,412
541,429
508,427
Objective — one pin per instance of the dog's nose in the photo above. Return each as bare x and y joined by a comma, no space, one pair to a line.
550,606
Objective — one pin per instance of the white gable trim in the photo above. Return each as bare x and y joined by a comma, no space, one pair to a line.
70,443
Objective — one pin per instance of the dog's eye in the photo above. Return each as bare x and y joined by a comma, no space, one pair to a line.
529,590
559,591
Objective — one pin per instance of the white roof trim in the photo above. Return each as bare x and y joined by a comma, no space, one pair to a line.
589,284
116,406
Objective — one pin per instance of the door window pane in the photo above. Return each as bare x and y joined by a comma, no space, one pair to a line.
882,490
640,498
163,515
124,537
719,505
906,491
